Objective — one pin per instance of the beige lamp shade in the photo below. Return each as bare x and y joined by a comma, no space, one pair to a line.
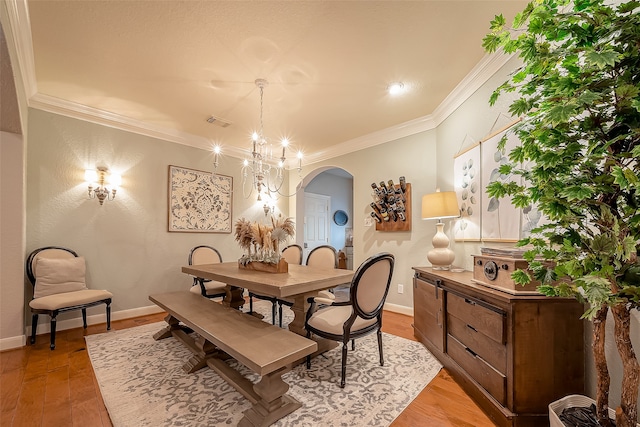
440,205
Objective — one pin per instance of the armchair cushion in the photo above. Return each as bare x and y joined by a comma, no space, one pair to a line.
59,275
331,320
69,299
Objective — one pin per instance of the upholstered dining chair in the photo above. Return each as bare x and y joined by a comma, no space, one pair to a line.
204,254
361,315
57,275
292,254
325,257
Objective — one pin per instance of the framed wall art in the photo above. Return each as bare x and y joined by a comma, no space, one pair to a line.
199,202
466,181
484,218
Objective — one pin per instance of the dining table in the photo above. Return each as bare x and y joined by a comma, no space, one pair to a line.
298,284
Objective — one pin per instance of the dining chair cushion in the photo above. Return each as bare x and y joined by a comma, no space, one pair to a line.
331,319
209,286
69,299
59,275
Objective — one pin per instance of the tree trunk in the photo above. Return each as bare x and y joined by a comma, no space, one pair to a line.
602,372
627,414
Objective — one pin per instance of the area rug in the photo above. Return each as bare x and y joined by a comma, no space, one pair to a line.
143,384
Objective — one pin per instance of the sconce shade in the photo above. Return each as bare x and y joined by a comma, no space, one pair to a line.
90,175
440,205
96,184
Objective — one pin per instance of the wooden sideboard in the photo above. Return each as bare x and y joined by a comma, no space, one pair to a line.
513,354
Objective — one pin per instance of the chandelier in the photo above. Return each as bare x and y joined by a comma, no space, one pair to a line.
263,172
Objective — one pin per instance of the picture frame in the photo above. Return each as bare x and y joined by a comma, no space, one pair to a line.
199,201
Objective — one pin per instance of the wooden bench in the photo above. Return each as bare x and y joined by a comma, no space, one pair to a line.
223,332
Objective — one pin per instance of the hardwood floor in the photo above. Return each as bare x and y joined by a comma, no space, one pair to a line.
40,387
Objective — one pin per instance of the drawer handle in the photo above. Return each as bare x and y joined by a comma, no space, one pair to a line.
472,328
468,301
471,352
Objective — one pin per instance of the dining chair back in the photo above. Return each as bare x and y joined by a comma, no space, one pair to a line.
204,254
324,256
57,275
292,254
361,315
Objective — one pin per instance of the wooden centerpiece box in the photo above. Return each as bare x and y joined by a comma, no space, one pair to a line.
494,267
281,267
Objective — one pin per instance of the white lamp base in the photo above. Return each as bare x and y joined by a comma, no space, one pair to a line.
440,257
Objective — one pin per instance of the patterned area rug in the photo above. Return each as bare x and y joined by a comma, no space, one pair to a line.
143,384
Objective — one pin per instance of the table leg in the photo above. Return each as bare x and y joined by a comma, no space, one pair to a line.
233,297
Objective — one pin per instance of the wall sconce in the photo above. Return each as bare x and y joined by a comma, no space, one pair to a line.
96,180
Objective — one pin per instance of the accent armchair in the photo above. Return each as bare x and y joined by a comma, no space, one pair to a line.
57,275
361,315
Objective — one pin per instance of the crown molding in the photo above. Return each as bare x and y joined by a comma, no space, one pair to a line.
21,30
89,114
478,76
20,34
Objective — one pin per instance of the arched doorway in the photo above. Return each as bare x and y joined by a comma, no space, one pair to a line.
335,186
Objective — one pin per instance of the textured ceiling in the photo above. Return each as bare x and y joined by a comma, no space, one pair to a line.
171,64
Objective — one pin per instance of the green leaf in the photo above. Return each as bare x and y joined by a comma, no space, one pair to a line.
577,192
521,277
562,113
602,59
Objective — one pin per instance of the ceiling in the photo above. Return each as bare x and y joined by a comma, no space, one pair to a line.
164,67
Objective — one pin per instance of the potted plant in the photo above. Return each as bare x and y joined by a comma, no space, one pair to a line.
578,94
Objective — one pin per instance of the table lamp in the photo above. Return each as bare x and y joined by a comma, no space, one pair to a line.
440,205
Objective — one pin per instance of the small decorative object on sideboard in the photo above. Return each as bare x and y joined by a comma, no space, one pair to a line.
494,268
391,206
265,240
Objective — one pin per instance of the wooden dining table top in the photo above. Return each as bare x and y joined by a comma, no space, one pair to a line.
300,279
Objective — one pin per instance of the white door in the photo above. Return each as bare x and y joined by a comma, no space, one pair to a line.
316,221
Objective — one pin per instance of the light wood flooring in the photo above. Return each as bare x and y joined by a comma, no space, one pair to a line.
40,387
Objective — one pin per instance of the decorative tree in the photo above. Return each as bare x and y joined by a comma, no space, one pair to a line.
578,93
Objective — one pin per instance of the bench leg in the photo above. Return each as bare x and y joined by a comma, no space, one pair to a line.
273,403
202,350
166,331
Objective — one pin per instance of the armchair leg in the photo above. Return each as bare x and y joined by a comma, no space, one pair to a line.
380,347
84,318
308,356
34,325
108,316
53,331
344,364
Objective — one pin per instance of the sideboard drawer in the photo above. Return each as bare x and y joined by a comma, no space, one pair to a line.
493,352
489,378
483,318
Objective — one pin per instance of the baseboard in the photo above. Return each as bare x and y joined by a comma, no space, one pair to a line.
12,342
44,327
402,309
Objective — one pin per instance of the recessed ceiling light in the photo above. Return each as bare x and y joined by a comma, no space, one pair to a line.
395,88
